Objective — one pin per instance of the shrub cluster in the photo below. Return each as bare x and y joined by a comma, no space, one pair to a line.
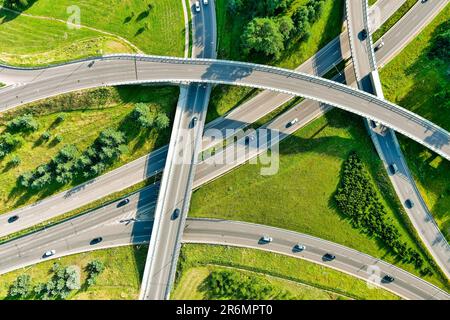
357,198
147,119
228,284
8,143
94,269
61,284
24,123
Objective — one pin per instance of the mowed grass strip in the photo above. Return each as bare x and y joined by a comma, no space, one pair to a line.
87,113
120,280
305,280
413,80
300,196
27,41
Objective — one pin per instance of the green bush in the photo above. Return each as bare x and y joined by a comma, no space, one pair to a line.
228,284
24,123
21,287
8,143
94,269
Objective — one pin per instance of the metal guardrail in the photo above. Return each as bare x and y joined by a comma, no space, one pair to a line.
370,50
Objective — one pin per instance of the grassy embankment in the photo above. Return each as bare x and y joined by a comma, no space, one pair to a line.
121,278
86,115
39,34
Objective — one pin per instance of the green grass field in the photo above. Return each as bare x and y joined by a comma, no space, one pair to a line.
192,287
121,278
230,28
411,80
300,196
40,34
87,114
303,279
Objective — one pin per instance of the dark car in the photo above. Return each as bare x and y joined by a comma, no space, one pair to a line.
96,240
175,214
363,34
329,257
91,64
12,219
393,168
409,203
387,279
194,122
123,203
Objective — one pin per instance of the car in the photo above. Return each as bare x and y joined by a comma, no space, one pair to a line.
205,2
96,240
380,45
266,239
409,203
197,6
91,64
194,121
13,218
388,279
292,122
49,253
299,247
123,203
175,214
329,257
393,168
363,34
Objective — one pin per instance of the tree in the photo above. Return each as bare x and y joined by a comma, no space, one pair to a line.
23,123
285,25
21,287
16,3
60,118
8,143
440,47
162,121
94,268
142,115
301,22
263,35
15,161
46,136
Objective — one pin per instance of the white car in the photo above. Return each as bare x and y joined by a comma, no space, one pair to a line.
205,2
266,239
197,6
49,253
291,123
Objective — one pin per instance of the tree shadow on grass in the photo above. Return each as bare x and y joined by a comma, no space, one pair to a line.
10,13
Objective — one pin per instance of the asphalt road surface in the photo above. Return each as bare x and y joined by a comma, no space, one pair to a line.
249,112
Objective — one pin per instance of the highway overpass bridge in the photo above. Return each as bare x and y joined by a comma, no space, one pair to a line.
113,70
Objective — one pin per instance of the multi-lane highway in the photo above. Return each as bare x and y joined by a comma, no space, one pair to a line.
176,185
240,117
386,144
132,224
